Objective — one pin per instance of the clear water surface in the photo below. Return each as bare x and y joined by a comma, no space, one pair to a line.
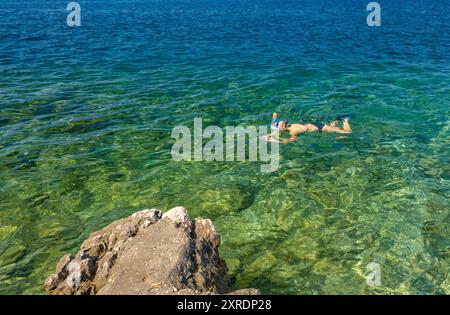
86,115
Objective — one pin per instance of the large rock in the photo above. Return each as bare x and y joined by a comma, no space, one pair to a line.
146,253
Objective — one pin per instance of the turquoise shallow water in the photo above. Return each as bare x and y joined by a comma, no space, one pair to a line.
86,116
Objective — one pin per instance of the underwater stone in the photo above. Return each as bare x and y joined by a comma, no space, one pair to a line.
233,265
257,268
12,254
326,267
6,230
300,247
224,198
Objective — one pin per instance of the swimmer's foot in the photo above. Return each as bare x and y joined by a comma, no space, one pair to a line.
345,117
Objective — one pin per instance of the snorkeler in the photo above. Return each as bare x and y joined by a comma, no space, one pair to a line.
278,127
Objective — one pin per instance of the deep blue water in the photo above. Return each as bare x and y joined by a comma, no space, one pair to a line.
86,115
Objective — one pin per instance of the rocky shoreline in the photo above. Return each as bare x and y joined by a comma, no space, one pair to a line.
146,253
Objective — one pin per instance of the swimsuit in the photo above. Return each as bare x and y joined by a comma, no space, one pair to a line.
319,125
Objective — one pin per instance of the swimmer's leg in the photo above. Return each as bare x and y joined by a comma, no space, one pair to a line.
346,126
311,128
334,128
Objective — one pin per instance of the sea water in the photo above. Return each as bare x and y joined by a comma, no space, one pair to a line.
86,115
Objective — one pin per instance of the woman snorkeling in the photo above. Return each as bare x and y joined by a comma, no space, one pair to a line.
278,127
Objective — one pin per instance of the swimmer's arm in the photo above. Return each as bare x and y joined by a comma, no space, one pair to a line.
270,137
343,131
332,129
291,139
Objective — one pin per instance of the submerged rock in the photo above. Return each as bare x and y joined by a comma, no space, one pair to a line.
146,253
257,269
222,197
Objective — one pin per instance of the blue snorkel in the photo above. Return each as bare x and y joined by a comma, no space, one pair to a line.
274,124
